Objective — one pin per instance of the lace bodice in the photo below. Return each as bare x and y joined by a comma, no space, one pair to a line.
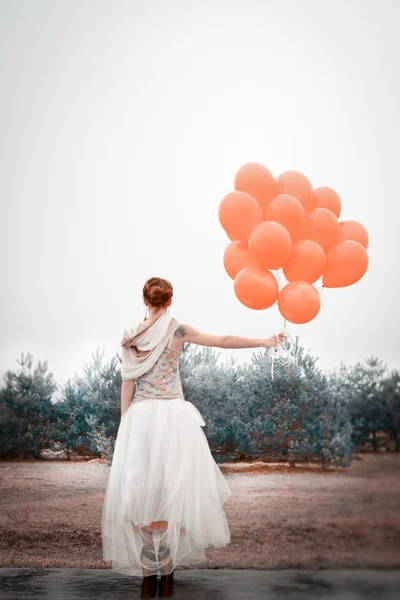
162,381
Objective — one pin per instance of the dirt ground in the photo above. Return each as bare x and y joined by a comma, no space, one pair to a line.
50,515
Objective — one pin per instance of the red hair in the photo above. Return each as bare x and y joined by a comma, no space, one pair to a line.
157,291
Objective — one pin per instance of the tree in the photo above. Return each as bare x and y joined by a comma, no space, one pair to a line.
89,410
367,412
390,399
295,416
291,416
209,385
27,415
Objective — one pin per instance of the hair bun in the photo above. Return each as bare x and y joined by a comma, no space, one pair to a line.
157,291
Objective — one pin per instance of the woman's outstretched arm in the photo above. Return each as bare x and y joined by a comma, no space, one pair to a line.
188,334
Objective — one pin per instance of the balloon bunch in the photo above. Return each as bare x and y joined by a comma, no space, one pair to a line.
285,224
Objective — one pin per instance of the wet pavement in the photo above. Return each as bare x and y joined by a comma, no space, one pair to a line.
207,584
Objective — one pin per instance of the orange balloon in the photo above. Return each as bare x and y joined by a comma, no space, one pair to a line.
322,227
346,263
231,237
353,230
326,197
299,302
256,180
306,262
289,212
256,288
296,184
270,245
238,214
236,257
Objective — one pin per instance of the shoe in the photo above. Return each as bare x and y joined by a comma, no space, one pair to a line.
149,587
165,587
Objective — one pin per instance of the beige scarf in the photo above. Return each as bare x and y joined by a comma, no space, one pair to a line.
141,349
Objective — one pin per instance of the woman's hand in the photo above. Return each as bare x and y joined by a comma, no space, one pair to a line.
275,339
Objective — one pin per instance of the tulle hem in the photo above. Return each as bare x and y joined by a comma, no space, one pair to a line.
163,471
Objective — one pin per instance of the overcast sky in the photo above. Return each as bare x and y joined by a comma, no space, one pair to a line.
123,124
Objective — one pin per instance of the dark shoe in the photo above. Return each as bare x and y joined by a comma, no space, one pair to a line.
149,587
166,586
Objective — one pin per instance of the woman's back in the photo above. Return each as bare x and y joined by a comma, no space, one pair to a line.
162,381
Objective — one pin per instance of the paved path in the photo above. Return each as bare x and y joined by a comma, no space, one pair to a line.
207,584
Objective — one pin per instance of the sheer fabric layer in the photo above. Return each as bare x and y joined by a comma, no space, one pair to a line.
162,470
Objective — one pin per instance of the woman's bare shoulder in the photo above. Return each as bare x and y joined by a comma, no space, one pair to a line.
180,331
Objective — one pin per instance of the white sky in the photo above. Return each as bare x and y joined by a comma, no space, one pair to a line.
123,125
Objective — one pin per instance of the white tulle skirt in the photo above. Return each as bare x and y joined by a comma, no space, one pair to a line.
162,470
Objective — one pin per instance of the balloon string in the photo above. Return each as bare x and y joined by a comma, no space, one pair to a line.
280,279
282,353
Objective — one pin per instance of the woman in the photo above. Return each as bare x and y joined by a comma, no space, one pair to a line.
163,503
